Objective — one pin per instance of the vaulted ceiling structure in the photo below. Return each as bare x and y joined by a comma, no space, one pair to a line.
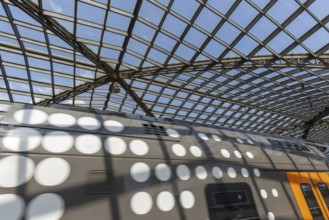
259,65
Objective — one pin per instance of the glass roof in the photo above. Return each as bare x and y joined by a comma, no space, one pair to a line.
251,64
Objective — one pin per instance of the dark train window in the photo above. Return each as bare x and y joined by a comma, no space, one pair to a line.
287,146
230,201
311,201
100,182
324,192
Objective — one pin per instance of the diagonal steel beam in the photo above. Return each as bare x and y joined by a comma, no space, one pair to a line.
135,97
32,9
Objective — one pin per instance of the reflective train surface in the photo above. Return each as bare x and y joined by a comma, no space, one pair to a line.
61,163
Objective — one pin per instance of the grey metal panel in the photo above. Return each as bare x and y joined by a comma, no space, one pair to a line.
284,205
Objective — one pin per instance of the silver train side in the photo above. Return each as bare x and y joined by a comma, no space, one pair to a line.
67,164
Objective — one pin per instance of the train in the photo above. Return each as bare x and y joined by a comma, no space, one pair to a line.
75,163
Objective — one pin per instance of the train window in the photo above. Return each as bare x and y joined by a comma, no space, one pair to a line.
311,201
287,146
230,201
324,192
153,129
100,182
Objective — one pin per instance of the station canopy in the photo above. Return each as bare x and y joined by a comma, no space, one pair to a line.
258,65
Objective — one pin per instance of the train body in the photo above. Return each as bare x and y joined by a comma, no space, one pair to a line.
67,164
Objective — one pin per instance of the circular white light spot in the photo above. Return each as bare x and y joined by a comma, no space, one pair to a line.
48,206
61,120
30,116
141,203
201,172
165,201
216,138
113,126
52,171
162,172
231,172
115,145
15,171
11,207
187,199
57,141
195,151
244,172
270,216
203,136
257,172
239,140
140,172
88,144
183,172
263,193
275,193
250,141
237,154
139,147
172,133
22,139
250,155
217,172
225,153
89,123
179,150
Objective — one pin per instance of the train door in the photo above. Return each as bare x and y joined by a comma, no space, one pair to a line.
311,193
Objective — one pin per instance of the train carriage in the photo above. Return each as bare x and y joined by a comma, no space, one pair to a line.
64,163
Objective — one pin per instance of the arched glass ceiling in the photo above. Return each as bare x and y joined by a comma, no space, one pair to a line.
253,64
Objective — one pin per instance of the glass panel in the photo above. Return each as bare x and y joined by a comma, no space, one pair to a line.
179,6
207,20
319,8
157,56
137,46
221,5
85,11
280,42
228,33
195,37
113,38
243,14
246,45
282,10
126,5
174,25
117,21
317,40
214,48
89,33
151,12
301,24
63,7
263,28
185,52
143,31
165,42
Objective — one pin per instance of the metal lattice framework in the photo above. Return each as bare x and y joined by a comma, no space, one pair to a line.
256,65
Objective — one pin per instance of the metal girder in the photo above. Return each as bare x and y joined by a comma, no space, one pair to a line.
311,123
135,97
32,9
299,60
